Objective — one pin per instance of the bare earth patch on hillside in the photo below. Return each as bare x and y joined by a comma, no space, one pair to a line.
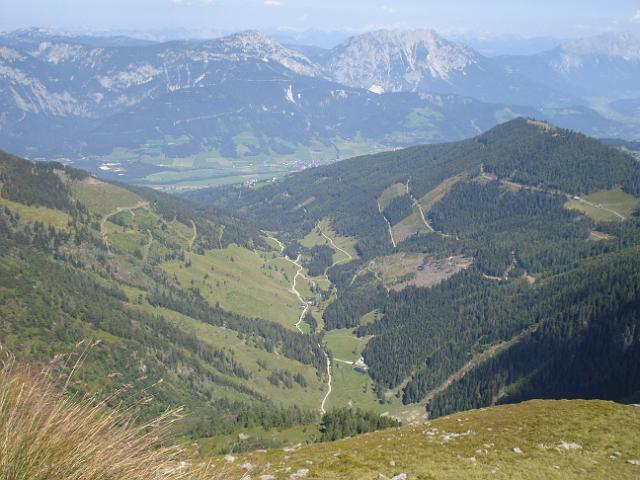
409,227
404,269
434,271
429,199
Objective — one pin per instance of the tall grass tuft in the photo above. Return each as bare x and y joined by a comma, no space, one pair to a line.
48,433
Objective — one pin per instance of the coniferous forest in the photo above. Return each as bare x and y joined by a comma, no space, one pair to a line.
532,258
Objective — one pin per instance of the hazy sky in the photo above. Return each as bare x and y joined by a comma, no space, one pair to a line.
563,18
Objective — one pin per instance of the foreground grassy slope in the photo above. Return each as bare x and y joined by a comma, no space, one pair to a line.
536,439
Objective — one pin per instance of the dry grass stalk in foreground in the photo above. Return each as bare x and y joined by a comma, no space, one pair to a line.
47,433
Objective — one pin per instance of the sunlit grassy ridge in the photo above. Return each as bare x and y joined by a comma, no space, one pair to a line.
536,439
101,197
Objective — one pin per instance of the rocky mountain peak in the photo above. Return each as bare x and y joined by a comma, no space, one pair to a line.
397,59
255,44
249,41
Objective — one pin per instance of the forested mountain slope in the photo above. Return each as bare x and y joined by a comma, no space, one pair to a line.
527,151
93,267
412,283
496,269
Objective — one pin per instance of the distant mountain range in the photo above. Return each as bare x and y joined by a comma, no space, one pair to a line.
245,106
421,60
606,66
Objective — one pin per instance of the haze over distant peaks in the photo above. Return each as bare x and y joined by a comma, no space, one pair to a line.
575,54
623,45
602,66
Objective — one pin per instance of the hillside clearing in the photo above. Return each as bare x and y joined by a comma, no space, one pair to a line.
429,199
410,226
36,213
101,197
404,269
606,205
388,194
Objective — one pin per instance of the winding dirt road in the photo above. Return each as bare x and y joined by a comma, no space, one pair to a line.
305,309
324,400
568,196
295,291
103,222
349,256
195,235
389,227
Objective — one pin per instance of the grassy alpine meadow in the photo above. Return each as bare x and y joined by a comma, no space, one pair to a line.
561,439
607,205
101,197
344,345
36,213
352,386
242,281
